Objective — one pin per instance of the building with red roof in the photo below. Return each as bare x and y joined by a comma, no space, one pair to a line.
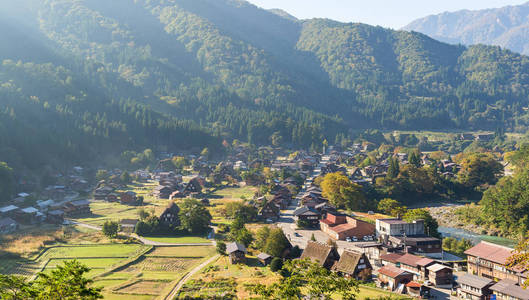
339,227
490,261
415,264
392,277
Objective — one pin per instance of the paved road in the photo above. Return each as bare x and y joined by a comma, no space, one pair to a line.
172,295
440,294
141,239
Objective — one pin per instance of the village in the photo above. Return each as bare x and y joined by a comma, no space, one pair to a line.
262,188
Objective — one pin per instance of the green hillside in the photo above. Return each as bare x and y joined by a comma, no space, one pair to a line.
92,77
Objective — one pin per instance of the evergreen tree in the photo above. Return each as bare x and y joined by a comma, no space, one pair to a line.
394,168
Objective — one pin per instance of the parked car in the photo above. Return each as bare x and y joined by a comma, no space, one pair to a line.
297,234
355,239
348,239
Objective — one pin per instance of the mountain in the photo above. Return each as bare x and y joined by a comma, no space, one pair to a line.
96,77
507,27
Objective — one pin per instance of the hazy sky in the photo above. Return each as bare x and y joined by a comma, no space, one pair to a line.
387,13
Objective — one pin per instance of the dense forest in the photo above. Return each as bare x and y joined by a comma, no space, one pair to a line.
80,79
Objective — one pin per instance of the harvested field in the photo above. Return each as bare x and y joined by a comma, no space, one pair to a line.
163,264
183,251
144,287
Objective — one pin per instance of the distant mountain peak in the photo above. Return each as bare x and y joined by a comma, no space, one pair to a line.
283,14
507,27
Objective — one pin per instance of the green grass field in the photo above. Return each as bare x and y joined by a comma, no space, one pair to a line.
178,240
234,194
103,211
97,257
89,251
220,197
373,293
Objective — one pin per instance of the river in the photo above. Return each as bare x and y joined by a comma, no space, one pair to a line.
459,233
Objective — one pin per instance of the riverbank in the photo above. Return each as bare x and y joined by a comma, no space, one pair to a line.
446,217
450,225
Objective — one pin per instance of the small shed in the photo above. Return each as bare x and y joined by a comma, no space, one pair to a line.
128,225
264,258
417,290
440,275
236,252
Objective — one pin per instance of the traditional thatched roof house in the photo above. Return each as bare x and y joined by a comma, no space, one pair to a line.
310,216
270,211
323,254
236,252
354,264
169,216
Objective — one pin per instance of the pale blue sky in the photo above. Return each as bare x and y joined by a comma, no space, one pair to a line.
388,13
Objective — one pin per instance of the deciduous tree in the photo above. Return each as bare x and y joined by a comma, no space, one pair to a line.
194,217
430,224
110,229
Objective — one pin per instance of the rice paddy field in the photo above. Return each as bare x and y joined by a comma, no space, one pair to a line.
154,274
98,258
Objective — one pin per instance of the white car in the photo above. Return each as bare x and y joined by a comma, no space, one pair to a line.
348,239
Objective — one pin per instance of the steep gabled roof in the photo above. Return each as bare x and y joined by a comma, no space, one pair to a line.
348,262
317,252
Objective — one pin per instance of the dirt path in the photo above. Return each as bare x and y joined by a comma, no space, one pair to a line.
172,295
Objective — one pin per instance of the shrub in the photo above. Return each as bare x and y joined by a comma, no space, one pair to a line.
276,264
221,247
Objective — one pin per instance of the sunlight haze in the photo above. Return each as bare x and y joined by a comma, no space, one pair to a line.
392,14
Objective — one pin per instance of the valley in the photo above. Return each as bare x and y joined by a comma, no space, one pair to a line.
212,149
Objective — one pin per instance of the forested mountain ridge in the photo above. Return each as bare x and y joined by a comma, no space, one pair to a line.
507,27
200,71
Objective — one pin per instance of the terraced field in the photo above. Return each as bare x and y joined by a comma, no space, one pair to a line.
97,257
154,273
